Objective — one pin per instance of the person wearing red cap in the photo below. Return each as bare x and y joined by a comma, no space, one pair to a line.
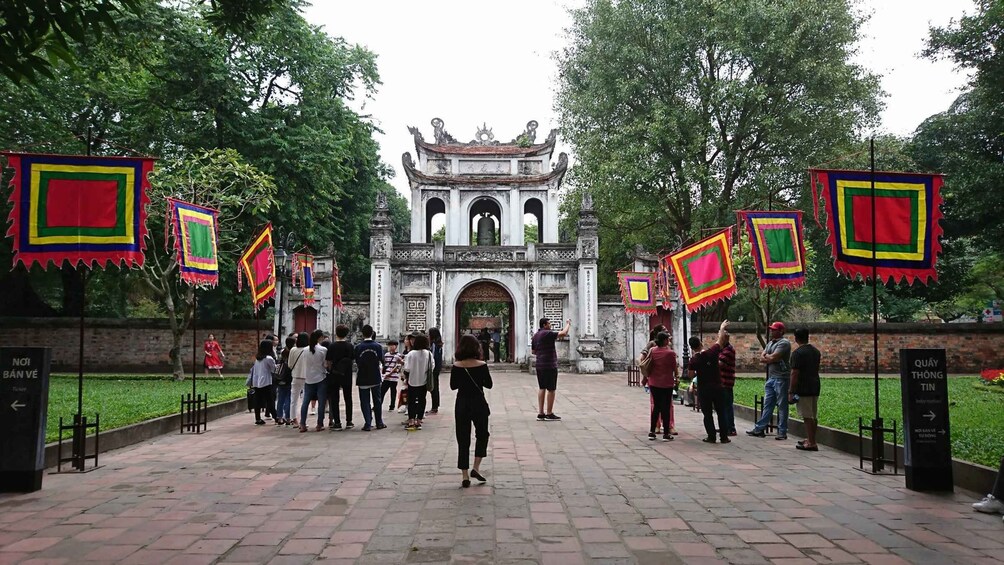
776,356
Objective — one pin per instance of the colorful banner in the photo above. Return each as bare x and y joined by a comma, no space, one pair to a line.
303,276
664,281
778,247
195,230
336,286
74,209
704,270
638,292
907,230
257,263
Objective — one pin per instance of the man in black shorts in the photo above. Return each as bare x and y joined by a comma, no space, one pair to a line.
546,365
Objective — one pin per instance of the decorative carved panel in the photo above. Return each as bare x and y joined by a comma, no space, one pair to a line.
553,311
484,256
415,313
535,167
438,167
413,254
552,279
551,254
485,292
415,279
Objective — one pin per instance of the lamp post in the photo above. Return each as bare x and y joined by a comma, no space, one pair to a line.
280,262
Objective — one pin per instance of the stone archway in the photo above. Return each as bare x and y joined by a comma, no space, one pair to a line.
489,293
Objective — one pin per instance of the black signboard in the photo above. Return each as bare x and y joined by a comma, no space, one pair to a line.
927,444
24,400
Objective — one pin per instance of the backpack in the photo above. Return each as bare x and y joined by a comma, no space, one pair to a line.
369,365
284,374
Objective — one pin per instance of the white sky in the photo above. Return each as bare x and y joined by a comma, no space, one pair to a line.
471,62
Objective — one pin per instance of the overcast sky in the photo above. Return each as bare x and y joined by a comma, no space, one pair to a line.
478,62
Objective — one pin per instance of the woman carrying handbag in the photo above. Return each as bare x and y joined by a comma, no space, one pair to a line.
469,377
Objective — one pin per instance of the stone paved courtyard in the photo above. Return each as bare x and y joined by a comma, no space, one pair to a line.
590,488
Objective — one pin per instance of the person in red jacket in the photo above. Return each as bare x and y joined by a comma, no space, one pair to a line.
661,380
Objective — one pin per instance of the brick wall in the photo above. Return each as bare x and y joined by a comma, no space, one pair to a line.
141,346
847,348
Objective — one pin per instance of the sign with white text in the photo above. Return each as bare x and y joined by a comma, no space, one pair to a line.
24,400
927,438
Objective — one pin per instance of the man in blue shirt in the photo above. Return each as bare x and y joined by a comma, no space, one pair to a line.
776,357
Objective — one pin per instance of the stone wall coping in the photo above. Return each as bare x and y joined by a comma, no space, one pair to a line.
137,323
883,328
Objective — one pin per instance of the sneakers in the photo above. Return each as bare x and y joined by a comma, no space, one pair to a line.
349,426
651,437
541,417
552,417
781,438
989,505
756,433
381,426
336,427
402,409
366,428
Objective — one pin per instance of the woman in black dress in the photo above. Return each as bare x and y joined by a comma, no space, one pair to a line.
469,377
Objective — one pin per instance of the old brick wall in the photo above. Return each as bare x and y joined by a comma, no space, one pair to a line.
847,348
140,346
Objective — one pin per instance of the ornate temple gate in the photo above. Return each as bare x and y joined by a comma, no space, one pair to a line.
482,292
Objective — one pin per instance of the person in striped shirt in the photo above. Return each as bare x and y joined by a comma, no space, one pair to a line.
727,370
393,362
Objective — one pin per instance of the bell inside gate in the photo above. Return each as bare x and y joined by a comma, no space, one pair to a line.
486,230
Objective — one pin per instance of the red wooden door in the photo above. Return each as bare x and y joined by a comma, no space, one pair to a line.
304,319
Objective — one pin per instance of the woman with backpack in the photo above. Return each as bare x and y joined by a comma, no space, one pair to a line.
283,385
418,367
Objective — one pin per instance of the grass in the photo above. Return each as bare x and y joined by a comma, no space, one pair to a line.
976,411
127,399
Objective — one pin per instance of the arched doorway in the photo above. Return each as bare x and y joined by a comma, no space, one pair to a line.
304,319
480,308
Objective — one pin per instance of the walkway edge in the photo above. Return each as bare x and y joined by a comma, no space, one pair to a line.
139,432
969,476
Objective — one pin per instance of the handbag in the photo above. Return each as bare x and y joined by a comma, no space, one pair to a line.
646,365
481,389
251,399
429,373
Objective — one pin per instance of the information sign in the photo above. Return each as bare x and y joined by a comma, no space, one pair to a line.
24,399
927,444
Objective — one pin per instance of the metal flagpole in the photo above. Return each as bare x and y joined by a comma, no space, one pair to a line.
878,436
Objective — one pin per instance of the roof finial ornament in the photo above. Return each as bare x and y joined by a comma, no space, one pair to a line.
484,135
587,201
381,201
442,137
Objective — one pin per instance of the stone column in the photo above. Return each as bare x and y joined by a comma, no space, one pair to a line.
455,220
590,347
381,248
417,216
515,217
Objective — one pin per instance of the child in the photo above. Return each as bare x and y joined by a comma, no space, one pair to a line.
392,361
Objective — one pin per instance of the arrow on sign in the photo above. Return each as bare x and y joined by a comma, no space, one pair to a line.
15,405
930,415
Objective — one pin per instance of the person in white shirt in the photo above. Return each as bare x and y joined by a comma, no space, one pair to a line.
314,373
260,379
418,365
299,370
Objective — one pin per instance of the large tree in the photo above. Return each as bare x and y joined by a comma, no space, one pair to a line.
681,112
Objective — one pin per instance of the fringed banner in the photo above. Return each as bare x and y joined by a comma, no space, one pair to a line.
777,247
664,281
907,230
638,292
704,270
195,231
74,209
303,276
336,286
258,265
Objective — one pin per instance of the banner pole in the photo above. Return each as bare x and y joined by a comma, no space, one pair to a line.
878,432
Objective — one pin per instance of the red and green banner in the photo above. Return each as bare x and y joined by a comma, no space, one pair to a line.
638,292
704,270
195,231
257,264
75,209
303,276
907,228
664,281
336,286
777,247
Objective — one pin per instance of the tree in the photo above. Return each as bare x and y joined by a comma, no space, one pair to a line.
218,179
681,112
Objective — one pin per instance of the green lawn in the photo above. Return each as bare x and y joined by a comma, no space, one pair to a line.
126,399
976,411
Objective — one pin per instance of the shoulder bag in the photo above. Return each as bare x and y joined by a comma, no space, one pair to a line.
481,389
429,372
646,364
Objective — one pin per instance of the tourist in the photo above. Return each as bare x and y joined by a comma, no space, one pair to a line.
369,358
313,384
546,365
704,365
436,346
260,379
283,385
214,356
393,362
339,360
402,387
496,342
661,380
485,339
805,386
775,356
299,374
418,366
727,370
270,405
660,426
469,377
993,503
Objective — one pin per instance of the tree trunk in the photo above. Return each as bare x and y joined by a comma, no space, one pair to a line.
177,367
